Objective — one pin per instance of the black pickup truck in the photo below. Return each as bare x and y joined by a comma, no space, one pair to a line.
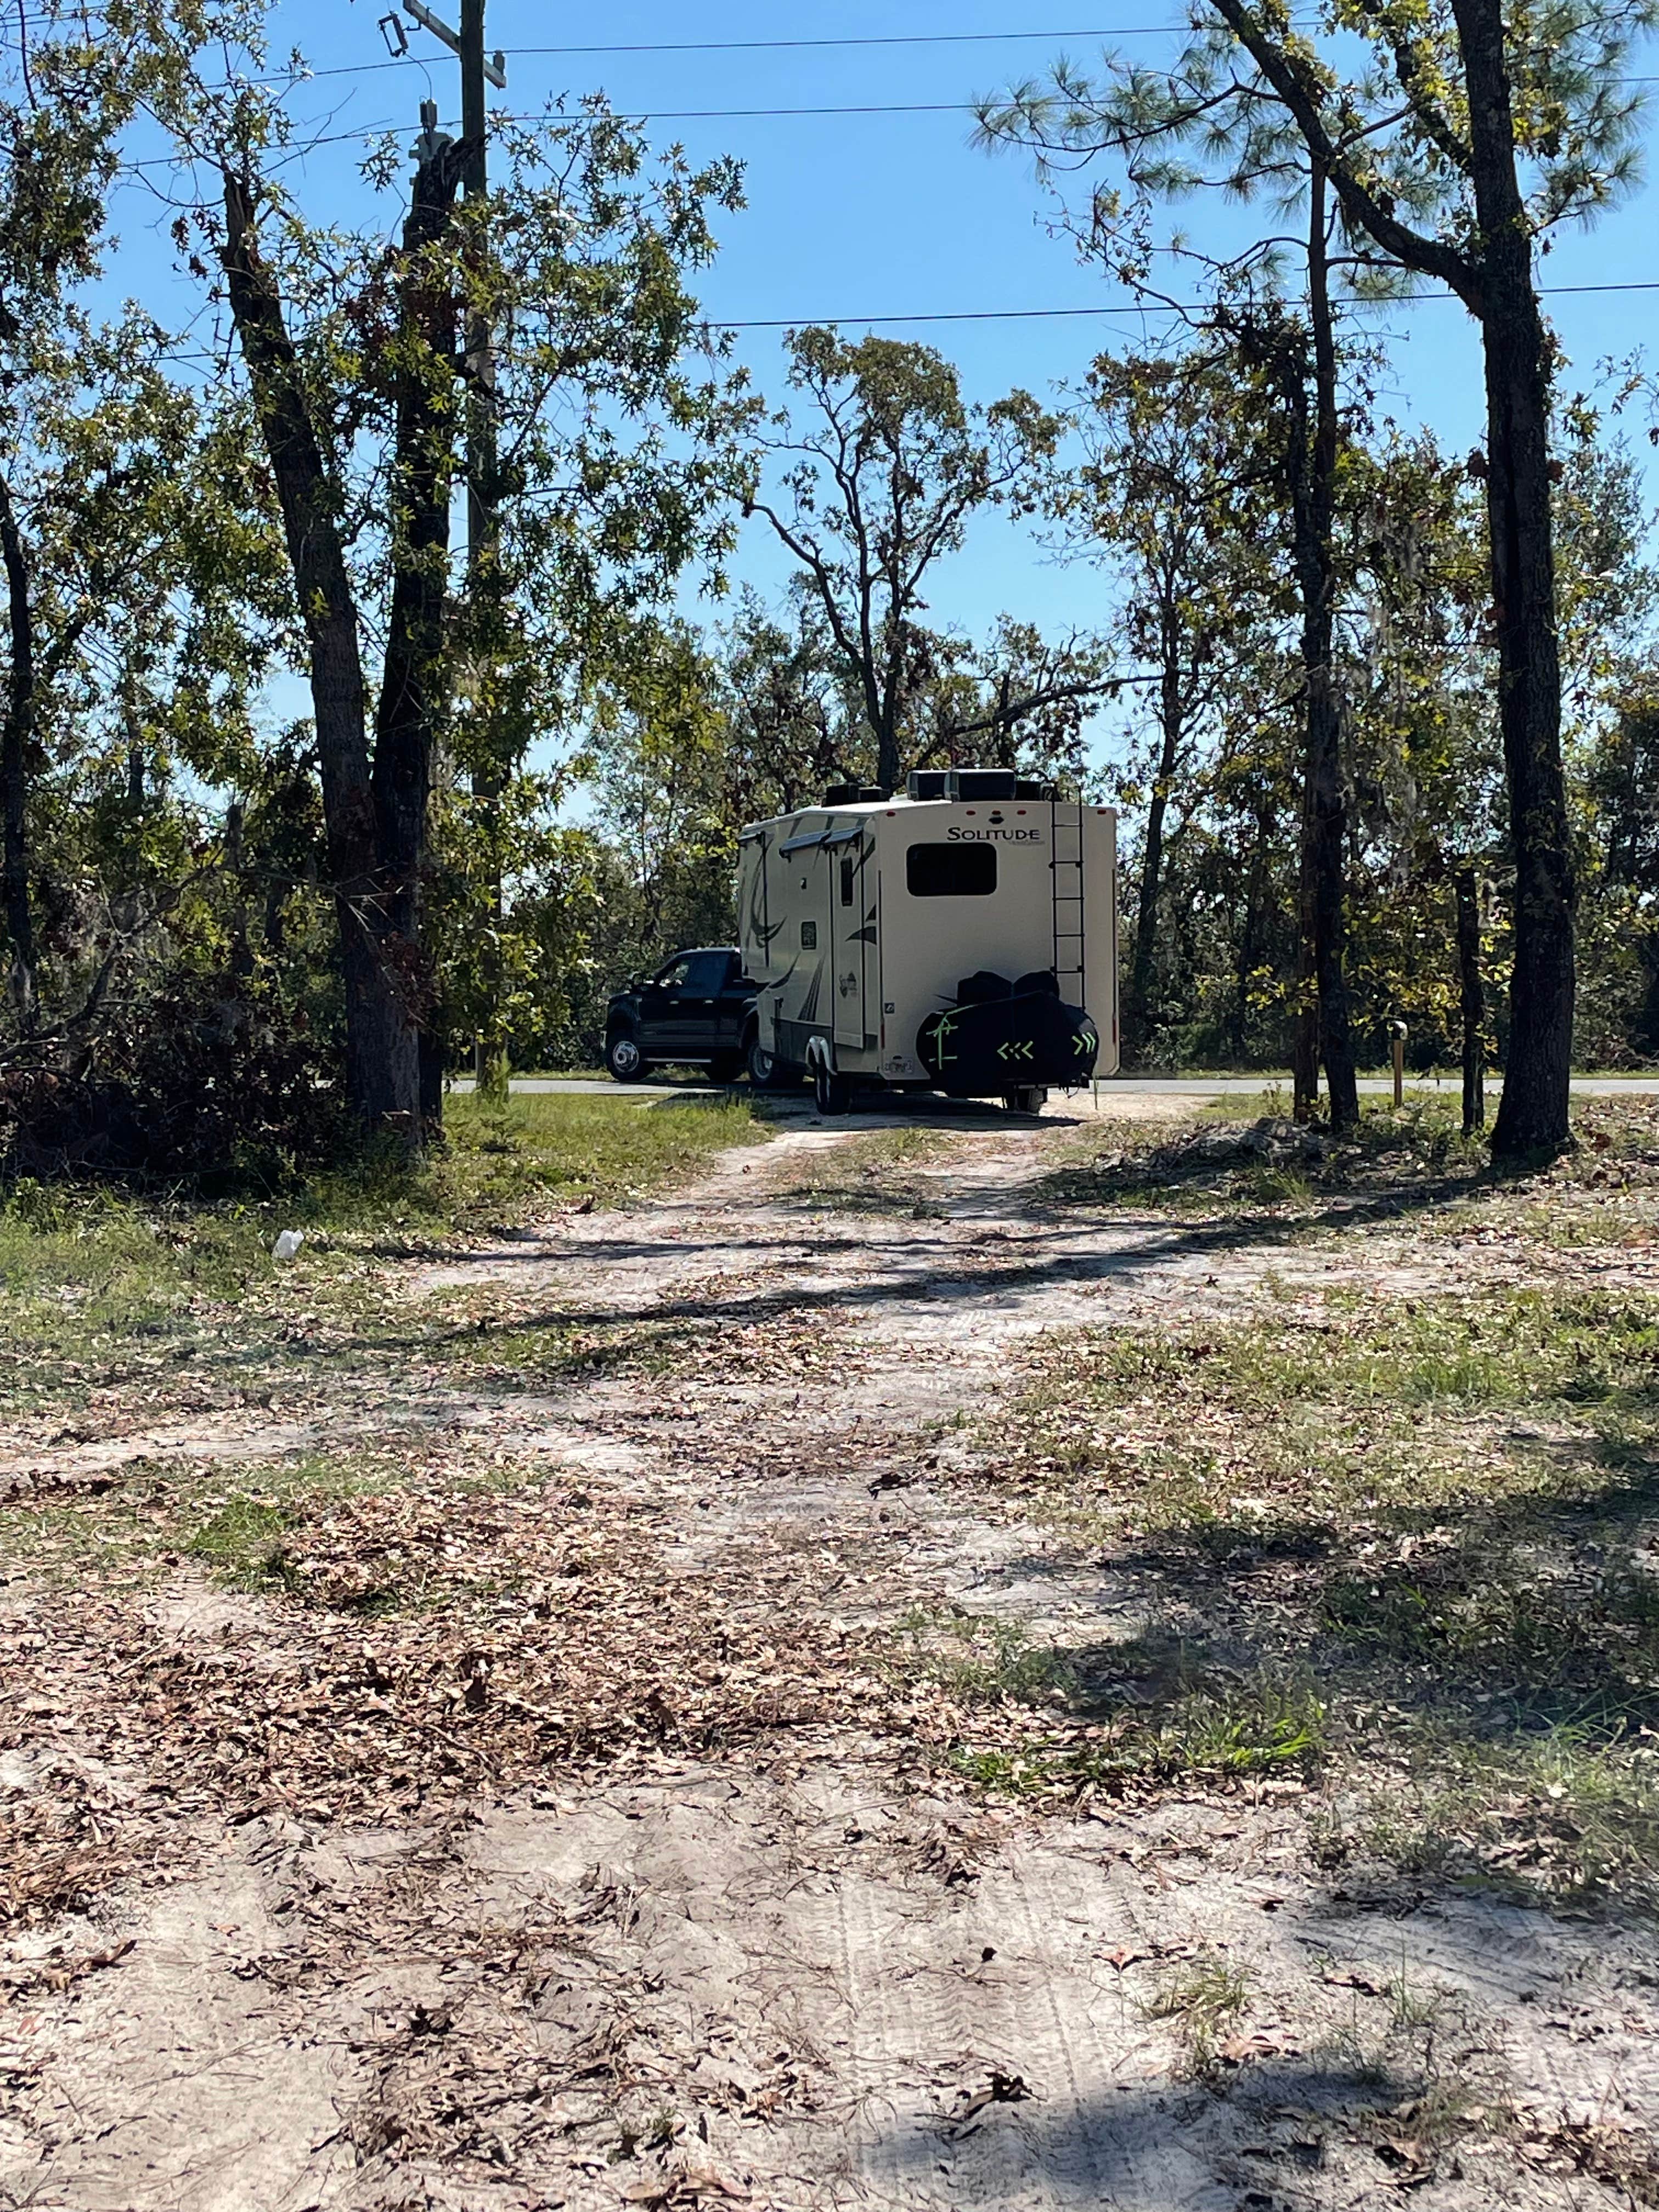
698,1006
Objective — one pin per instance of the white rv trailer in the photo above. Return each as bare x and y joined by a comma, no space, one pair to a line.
961,939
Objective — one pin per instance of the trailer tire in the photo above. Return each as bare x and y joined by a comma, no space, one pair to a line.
832,1094
623,1056
1030,1098
725,1067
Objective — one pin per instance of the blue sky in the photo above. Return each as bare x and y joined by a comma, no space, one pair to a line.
896,215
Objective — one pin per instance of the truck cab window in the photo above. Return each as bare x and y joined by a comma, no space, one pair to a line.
951,871
705,975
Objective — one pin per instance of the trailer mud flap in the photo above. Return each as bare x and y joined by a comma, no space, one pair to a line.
1004,1044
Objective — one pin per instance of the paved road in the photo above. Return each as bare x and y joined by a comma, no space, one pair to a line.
1171,1087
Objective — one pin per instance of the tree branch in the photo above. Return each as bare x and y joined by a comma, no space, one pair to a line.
1429,257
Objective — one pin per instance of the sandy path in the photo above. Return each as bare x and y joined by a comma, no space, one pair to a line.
807,1976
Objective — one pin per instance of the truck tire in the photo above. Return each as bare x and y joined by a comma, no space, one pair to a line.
831,1093
767,1073
623,1058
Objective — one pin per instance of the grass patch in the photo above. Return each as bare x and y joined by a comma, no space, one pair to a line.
1347,1405
103,1291
541,1151
880,1173
1204,1999
1038,1721
362,1533
1570,1813
982,1660
1447,1507
245,1545
1243,1155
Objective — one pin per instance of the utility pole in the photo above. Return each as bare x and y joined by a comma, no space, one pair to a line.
480,338
490,1067
477,69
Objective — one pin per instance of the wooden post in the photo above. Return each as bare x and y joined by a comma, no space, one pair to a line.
1397,1031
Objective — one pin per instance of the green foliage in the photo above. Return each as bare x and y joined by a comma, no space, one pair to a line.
885,467
599,753
172,833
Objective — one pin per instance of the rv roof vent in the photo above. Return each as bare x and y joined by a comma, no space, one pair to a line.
1025,788
843,794
874,791
928,783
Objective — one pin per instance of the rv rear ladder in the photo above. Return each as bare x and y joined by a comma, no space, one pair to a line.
1066,867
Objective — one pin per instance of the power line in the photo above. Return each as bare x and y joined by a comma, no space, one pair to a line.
1054,314
784,45
643,115
1059,315
697,115
887,39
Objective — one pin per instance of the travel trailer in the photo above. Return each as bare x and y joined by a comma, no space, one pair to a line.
961,939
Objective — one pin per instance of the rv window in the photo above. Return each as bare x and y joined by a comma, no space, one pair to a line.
951,871
846,881
809,937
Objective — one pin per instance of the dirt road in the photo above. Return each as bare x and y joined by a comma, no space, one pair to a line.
805,1961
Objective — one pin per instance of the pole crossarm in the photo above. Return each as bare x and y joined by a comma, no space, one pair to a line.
494,66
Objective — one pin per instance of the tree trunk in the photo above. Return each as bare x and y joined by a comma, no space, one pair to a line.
382,1054
1532,1113
137,762
888,767
1252,934
1494,279
412,702
1472,1001
1151,864
1325,819
15,739
1304,1046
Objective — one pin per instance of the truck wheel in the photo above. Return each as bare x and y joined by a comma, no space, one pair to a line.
1030,1098
624,1059
723,1068
831,1094
766,1072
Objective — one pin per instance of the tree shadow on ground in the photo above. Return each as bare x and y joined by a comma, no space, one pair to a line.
1517,1638
1298,2131
1159,1245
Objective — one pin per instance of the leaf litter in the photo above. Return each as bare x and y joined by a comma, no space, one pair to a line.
583,1610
